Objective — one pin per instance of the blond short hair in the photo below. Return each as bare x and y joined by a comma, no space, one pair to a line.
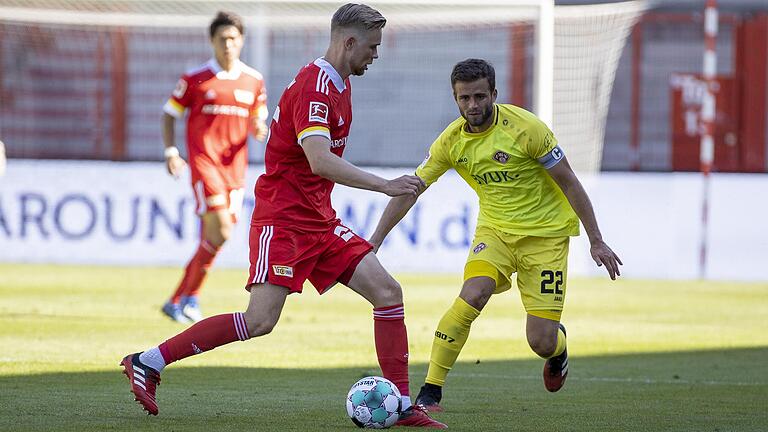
359,16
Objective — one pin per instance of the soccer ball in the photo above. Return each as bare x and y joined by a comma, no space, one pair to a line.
374,402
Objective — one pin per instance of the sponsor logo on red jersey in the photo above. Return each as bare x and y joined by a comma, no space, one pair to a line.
225,110
341,142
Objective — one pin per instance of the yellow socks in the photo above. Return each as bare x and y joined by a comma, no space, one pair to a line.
560,343
452,332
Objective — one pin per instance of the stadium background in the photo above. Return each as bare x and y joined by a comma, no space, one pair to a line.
92,91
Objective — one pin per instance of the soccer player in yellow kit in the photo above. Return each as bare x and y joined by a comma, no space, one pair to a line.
530,204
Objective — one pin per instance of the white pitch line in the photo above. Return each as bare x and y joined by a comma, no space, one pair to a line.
614,379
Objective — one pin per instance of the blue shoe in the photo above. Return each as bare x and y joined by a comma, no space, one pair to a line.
190,307
173,311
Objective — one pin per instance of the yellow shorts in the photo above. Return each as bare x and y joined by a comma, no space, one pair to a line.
541,264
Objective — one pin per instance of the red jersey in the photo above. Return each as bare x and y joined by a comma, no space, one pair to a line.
221,104
316,102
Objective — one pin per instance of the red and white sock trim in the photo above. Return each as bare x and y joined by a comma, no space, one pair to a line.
240,327
211,249
389,313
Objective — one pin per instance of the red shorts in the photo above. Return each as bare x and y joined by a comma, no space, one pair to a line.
217,187
211,197
288,256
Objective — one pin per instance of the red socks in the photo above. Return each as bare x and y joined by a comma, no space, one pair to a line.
196,271
392,345
204,336
388,328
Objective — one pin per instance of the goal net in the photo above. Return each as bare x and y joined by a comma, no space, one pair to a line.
88,78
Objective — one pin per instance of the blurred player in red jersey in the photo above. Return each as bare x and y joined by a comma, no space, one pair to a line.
295,234
226,99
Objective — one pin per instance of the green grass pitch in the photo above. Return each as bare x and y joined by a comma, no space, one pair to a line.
645,356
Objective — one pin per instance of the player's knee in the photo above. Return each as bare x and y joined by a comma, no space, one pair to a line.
477,298
260,327
390,293
543,347
219,236
225,233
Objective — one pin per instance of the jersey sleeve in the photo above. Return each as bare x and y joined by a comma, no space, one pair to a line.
437,161
180,100
542,145
311,115
259,109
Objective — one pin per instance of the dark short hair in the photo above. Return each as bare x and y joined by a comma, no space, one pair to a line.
226,19
472,70
358,16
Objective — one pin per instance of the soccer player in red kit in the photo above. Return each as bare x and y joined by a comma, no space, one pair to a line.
226,99
295,234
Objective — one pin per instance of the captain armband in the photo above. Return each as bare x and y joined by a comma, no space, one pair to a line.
552,158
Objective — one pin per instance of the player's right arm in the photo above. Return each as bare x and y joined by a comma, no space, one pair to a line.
395,211
173,161
435,164
323,163
311,121
173,109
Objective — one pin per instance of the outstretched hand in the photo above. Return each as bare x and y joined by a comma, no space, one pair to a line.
404,185
603,255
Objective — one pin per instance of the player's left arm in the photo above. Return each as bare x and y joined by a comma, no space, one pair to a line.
566,179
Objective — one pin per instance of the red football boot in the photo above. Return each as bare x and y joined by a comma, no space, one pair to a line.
144,381
556,370
416,416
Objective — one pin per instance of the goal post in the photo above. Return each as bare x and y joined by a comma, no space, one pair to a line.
558,61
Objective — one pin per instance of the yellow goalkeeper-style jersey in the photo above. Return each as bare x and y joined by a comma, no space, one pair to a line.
506,166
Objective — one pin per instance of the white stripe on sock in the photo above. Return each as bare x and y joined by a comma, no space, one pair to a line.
240,328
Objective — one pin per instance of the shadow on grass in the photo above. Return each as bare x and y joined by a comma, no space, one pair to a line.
724,390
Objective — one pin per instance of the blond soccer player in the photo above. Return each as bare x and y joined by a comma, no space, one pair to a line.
530,205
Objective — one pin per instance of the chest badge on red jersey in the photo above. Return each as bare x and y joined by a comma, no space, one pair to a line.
244,96
210,94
